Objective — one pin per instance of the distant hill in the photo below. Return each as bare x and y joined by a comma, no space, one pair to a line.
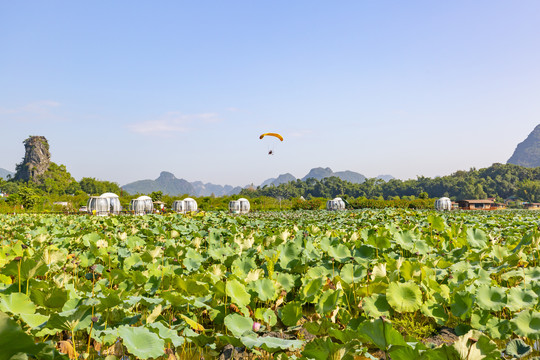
321,173
170,185
386,178
4,173
281,179
527,153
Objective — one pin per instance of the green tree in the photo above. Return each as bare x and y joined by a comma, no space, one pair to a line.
156,195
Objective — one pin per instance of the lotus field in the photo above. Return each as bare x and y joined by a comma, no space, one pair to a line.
400,284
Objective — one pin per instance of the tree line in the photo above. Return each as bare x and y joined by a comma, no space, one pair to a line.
499,181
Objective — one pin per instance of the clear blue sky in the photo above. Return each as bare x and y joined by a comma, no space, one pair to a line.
125,89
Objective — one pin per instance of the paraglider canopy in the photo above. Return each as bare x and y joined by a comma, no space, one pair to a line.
278,136
272,134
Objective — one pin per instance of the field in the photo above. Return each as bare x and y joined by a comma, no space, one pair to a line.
403,284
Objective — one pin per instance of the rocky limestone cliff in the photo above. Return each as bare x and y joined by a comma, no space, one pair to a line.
527,153
37,159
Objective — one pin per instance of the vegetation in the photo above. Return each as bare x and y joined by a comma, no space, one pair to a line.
497,181
303,284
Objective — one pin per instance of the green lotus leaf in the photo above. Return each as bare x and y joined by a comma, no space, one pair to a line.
404,297
264,288
491,298
499,328
353,273
381,333
532,273
517,348
519,298
436,311
17,304
376,305
287,281
339,252
405,239
71,320
290,253
291,313
237,292
268,316
141,342
527,324
476,238
193,260
312,289
271,344
462,304
34,320
328,301
238,325
167,333
13,340
437,222
324,349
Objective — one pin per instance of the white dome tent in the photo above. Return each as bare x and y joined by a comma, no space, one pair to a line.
336,204
190,204
97,206
183,206
443,203
113,202
178,206
142,205
240,206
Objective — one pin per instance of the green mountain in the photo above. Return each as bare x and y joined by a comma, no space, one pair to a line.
281,179
166,183
321,173
170,185
4,173
527,153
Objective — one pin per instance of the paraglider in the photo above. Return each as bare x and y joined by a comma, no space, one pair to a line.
271,150
272,134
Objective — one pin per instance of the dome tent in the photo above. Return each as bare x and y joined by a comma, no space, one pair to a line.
183,206
240,206
190,204
443,203
142,205
335,204
178,206
113,202
97,206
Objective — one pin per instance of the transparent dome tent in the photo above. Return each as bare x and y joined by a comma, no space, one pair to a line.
443,203
336,204
240,206
97,206
105,204
113,202
142,205
183,206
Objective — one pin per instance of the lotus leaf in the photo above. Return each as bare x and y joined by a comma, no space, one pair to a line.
238,325
517,348
291,313
141,342
237,292
527,323
491,298
404,297
519,298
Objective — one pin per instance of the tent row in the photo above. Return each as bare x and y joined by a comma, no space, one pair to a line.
109,203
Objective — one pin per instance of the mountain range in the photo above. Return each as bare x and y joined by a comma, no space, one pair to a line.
527,152
4,173
171,185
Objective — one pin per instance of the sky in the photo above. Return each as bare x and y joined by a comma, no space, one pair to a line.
123,90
